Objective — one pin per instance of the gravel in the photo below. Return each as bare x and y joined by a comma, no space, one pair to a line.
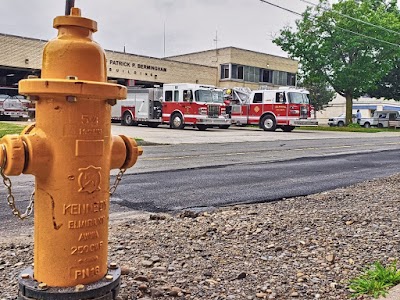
299,248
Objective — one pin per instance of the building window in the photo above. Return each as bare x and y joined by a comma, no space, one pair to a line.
240,72
256,74
282,78
246,73
279,78
224,71
275,77
251,74
291,79
234,74
265,75
237,72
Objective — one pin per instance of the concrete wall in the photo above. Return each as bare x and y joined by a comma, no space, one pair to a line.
21,52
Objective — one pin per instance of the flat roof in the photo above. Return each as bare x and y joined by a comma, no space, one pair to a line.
232,47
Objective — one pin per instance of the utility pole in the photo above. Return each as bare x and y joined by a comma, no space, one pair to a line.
216,57
216,43
68,5
164,38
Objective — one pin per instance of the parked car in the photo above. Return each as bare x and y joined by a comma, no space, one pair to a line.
340,120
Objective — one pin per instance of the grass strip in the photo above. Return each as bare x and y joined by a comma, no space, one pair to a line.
349,129
10,128
375,280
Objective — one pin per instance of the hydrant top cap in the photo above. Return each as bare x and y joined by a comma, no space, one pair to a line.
75,19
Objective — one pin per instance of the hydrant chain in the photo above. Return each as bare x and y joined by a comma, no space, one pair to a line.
10,196
117,181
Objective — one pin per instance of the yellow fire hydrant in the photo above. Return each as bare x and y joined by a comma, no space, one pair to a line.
70,151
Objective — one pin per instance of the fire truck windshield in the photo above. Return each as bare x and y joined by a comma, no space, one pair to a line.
208,96
218,96
298,98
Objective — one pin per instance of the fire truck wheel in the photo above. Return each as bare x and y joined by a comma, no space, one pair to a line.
176,121
127,119
201,127
223,126
287,128
268,123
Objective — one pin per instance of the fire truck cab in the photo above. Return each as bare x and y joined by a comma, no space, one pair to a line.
284,108
201,106
177,105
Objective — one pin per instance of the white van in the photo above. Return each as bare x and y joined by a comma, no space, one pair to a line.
381,118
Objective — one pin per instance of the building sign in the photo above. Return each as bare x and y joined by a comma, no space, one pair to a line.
128,64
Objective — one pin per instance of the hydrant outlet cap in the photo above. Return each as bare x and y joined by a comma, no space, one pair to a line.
75,19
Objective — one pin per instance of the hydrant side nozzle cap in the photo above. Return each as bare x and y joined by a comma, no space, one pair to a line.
75,19
13,150
3,154
132,152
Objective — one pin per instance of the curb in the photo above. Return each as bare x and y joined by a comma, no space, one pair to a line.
394,294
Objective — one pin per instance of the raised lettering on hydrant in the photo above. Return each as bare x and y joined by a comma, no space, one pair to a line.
70,151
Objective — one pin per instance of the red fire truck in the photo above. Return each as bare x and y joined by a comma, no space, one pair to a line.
284,108
177,105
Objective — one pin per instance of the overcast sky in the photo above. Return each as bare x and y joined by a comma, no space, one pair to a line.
190,25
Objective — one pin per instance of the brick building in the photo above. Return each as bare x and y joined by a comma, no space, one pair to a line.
239,67
224,67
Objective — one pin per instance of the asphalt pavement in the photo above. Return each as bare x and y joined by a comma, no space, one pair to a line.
215,186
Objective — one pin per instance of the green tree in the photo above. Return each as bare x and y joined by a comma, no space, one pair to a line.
320,93
389,86
351,56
